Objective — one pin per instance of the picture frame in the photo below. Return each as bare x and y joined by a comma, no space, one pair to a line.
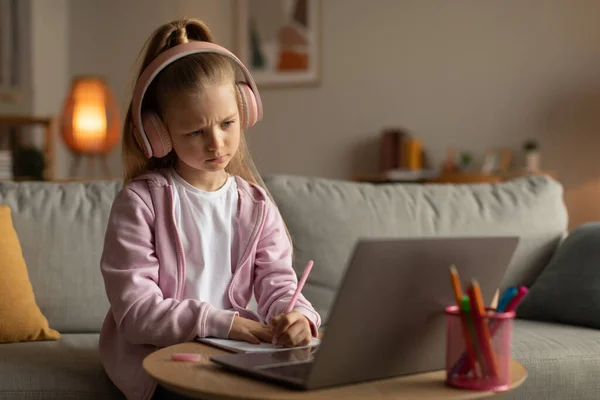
496,160
13,49
279,41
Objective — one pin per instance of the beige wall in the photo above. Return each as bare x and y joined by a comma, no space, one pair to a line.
48,75
462,73
107,36
22,105
49,62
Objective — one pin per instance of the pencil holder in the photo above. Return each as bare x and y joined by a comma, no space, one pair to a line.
478,349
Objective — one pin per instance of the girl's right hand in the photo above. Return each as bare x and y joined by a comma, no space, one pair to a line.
250,331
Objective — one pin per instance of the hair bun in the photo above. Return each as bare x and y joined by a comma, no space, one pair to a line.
198,30
181,35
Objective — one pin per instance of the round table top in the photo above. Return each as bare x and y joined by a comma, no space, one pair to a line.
207,380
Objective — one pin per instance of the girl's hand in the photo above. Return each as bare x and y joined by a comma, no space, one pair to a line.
250,331
290,330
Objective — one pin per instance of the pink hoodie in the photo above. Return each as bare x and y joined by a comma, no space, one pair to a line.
143,266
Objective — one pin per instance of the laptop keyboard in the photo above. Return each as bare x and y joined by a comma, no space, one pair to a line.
297,370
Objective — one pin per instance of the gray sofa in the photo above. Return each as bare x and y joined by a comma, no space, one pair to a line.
61,228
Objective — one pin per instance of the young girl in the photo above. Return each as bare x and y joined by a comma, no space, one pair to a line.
193,233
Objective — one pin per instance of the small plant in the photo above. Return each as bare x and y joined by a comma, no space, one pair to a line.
465,159
531,145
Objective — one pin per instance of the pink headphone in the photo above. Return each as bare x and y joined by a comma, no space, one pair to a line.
150,131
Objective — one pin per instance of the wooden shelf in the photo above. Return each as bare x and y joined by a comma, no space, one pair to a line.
48,124
466,177
381,178
459,177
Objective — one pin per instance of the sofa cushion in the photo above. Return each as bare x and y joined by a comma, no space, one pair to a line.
61,228
562,361
326,218
567,291
20,316
65,369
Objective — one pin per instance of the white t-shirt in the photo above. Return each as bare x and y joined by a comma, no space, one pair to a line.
205,221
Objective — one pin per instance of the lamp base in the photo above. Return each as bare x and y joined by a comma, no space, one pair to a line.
92,159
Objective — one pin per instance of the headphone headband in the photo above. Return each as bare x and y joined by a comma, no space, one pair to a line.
173,54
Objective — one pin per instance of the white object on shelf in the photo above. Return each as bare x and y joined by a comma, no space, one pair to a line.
6,165
533,161
411,175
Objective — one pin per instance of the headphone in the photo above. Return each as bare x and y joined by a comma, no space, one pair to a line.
148,128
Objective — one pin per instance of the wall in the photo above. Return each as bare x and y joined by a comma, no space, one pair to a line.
22,104
107,37
46,71
465,73
49,68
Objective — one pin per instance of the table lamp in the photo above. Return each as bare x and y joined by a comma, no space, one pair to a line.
90,122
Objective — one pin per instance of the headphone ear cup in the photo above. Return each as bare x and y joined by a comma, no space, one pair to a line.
142,141
248,106
157,134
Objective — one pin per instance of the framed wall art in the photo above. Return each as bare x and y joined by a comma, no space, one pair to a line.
279,41
13,49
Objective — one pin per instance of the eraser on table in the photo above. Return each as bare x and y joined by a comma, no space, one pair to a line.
189,357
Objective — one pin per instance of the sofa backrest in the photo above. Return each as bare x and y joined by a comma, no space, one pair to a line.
61,228
326,218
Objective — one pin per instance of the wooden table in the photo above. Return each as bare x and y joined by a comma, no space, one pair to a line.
206,380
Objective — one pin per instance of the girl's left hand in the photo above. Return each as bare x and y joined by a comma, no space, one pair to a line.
290,330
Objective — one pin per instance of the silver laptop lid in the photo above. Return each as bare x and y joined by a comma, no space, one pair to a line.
388,315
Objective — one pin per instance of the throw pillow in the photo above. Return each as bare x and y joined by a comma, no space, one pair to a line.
568,289
20,318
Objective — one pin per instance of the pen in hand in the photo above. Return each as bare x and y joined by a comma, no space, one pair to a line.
294,299
292,304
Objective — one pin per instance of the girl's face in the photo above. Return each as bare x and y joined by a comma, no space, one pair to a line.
205,129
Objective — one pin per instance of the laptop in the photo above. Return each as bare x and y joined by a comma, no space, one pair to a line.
387,318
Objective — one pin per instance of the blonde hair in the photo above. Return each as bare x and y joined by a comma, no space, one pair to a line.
188,74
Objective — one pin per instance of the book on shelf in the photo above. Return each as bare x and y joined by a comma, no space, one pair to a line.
399,150
6,172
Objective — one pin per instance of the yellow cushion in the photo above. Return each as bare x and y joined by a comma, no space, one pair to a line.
20,318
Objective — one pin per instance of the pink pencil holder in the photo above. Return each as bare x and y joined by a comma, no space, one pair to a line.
491,370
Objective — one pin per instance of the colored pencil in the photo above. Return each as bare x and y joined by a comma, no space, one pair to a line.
474,293
458,294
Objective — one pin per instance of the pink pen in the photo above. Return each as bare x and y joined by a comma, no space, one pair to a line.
290,306
292,303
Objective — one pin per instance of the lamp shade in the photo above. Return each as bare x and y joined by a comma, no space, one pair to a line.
90,118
